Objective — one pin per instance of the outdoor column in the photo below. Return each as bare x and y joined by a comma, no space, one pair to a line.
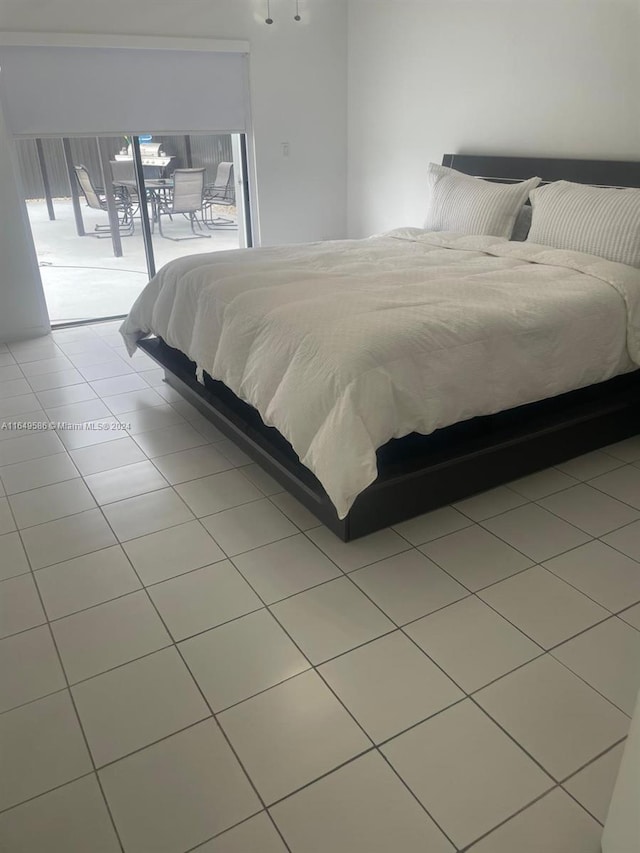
45,179
114,223
73,188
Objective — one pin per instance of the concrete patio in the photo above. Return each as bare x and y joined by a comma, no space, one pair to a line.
83,280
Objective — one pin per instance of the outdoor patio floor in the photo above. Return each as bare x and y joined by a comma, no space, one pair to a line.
81,277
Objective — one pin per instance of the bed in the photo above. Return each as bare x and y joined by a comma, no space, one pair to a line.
399,399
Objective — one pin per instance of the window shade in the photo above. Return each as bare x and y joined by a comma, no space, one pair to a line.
66,91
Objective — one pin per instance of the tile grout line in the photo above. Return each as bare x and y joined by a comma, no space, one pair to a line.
482,526
488,586
562,784
224,832
49,791
70,696
557,782
581,805
131,497
322,663
599,692
581,529
620,500
615,547
316,669
620,613
67,688
585,594
404,625
466,695
549,651
400,627
520,572
533,640
174,644
73,684
469,847
43,486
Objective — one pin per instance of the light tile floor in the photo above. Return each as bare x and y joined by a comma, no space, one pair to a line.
189,662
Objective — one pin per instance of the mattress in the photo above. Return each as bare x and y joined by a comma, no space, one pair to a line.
343,345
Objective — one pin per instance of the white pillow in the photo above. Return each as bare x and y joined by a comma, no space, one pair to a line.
458,202
598,220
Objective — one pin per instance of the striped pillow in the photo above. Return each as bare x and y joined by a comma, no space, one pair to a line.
601,221
469,205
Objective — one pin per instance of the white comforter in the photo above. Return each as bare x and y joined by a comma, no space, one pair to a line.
344,345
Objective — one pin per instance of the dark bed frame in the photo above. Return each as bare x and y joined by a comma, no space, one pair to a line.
419,473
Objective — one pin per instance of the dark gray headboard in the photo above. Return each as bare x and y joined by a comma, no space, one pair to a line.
606,173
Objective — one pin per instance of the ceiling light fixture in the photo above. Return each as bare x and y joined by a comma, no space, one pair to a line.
269,19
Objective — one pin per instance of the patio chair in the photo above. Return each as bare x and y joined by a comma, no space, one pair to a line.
96,199
123,177
221,193
186,199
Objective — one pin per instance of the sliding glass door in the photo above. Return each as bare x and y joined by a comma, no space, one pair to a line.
194,204
107,211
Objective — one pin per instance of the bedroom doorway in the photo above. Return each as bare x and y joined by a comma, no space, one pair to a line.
86,198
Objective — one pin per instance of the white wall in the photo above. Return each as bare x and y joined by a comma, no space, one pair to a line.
23,312
298,90
545,78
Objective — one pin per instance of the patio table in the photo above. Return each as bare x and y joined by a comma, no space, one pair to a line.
156,189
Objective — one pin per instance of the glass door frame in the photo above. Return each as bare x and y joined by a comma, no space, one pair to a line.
144,208
144,212
242,183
